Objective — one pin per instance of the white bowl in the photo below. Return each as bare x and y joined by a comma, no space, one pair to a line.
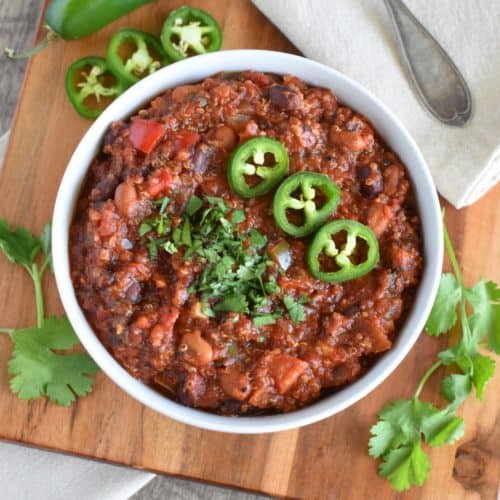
348,92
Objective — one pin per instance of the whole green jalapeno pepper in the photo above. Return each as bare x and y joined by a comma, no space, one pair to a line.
72,19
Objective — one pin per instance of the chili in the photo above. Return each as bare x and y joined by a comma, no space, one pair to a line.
147,55
190,31
248,161
345,266
300,193
88,80
72,19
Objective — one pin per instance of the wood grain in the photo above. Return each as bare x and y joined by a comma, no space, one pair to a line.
324,460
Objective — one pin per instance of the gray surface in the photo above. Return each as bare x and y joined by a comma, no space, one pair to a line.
167,488
17,22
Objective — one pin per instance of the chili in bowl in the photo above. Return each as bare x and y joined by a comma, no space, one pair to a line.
250,234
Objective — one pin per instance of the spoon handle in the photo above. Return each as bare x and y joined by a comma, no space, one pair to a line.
436,79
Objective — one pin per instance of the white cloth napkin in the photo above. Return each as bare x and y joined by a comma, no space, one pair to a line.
357,38
42,475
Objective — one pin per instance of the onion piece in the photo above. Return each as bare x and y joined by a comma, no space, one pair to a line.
281,254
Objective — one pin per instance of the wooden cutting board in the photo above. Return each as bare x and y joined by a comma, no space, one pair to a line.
327,460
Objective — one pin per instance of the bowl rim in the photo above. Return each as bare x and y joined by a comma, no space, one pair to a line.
189,70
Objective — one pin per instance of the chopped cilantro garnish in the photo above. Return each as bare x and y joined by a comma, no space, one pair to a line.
234,303
193,205
265,319
169,247
295,309
257,239
145,227
235,275
238,216
186,233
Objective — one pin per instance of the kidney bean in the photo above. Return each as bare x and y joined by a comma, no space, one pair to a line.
283,97
225,138
234,383
347,139
199,349
378,218
392,177
285,371
125,199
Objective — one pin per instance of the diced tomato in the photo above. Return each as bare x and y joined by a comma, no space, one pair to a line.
285,371
145,134
159,182
185,139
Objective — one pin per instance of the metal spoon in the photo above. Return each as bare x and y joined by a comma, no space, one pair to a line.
436,80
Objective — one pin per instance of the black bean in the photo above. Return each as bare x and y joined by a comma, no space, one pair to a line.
133,292
370,180
201,158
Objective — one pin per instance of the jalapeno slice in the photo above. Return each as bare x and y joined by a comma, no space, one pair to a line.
257,166
348,257
189,31
134,54
91,85
303,202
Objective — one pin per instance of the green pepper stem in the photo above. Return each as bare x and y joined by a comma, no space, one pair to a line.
25,54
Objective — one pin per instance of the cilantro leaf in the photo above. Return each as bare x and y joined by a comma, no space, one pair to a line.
456,388
442,427
257,239
193,205
39,371
295,309
485,298
19,246
484,369
234,303
238,216
443,314
46,243
383,438
265,319
401,415
405,466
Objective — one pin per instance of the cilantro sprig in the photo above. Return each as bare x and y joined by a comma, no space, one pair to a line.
38,365
404,425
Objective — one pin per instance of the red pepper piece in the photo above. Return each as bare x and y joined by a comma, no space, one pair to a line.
145,134
185,139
